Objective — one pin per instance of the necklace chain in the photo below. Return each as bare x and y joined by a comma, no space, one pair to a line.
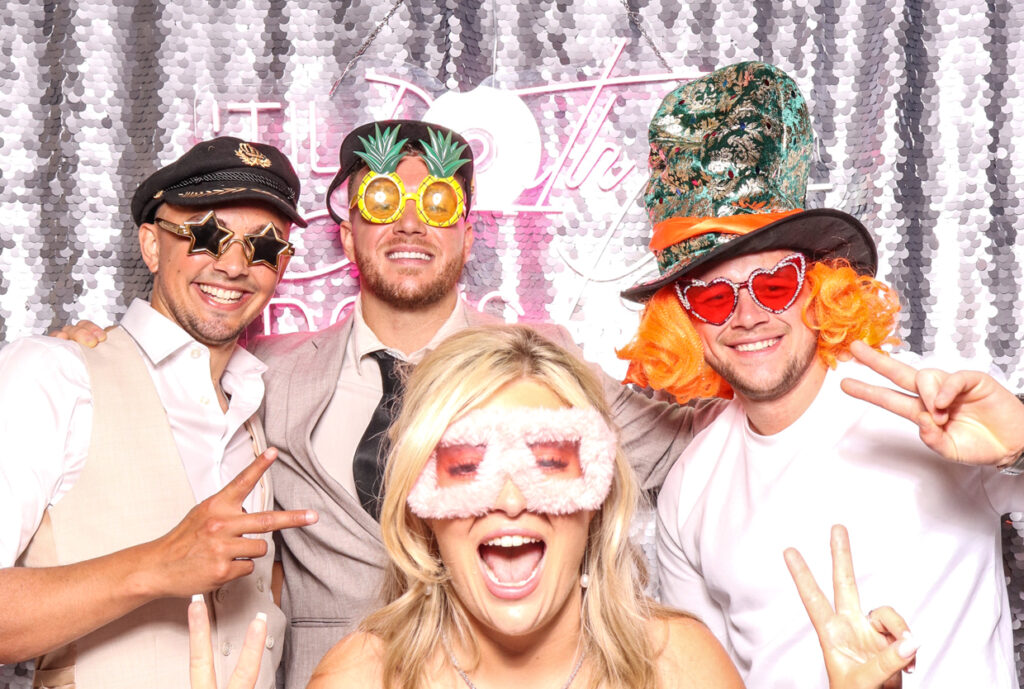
469,682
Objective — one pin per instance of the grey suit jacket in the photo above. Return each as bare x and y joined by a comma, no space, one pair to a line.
333,569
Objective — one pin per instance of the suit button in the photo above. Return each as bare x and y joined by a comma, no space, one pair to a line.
226,648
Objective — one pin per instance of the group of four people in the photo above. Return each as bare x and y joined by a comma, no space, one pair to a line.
500,549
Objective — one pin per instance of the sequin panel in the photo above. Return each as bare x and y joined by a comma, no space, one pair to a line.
915,106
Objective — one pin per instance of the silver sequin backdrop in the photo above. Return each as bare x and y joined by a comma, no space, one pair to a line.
915,105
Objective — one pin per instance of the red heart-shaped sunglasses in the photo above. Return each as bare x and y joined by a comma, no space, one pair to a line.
773,289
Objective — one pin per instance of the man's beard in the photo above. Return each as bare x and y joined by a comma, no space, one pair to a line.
410,298
796,369
208,332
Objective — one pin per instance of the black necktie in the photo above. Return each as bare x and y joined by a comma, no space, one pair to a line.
372,450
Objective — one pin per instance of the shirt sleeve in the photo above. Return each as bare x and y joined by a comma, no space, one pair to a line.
681,584
652,433
45,423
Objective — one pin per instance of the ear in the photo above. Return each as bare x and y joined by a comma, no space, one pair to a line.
149,245
467,243
347,240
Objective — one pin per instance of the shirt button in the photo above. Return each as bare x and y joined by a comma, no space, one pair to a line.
196,353
259,584
220,595
204,400
226,648
270,642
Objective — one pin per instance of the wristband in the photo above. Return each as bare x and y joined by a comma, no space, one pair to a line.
1016,468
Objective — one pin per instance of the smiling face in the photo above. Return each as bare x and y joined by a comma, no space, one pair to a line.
212,299
407,264
516,572
762,355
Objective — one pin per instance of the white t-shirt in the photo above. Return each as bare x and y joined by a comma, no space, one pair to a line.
924,533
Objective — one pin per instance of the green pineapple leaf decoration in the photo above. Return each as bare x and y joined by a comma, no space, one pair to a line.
382,152
441,156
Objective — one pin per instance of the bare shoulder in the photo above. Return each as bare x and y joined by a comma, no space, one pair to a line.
355,661
691,656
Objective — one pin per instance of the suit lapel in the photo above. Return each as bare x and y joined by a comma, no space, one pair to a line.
312,383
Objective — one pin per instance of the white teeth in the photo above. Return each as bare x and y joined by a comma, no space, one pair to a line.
224,296
409,254
757,346
511,541
490,575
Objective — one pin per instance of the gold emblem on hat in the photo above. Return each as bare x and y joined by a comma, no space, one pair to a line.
250,155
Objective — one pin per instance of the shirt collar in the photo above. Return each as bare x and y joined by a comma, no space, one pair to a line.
160,338
364,341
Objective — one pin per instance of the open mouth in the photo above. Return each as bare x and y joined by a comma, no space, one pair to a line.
511,561
220,295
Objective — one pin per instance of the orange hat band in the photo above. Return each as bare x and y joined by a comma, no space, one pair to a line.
676,230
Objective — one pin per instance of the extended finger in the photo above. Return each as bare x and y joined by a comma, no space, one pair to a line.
899,403
815,603
241,485
265,522
200,653
881,363
248,668
844,583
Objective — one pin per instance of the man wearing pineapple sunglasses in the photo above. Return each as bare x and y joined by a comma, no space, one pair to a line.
325,389
409,191
326,392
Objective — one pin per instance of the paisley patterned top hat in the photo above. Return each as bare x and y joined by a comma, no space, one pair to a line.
729,160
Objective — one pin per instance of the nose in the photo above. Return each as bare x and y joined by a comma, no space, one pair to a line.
409,222
233,262
748,314
510,500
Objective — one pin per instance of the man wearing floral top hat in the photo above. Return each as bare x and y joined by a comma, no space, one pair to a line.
133,474
763,301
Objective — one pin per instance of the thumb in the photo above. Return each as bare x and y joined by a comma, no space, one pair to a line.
888,662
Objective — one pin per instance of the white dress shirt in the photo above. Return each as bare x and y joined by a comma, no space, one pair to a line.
46,418
338,431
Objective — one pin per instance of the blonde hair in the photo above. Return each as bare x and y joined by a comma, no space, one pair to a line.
457,376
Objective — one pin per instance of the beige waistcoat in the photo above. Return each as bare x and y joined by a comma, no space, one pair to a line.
133,489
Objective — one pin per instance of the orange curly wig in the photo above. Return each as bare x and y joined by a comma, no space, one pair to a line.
666,353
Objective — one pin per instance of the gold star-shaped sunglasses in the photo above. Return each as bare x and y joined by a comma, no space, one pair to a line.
210,236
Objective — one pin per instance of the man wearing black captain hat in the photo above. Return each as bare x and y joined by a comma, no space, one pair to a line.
109,450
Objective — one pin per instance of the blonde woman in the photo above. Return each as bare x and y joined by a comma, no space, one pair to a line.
506,518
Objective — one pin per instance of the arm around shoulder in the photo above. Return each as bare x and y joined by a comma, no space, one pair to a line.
691,656
355,661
